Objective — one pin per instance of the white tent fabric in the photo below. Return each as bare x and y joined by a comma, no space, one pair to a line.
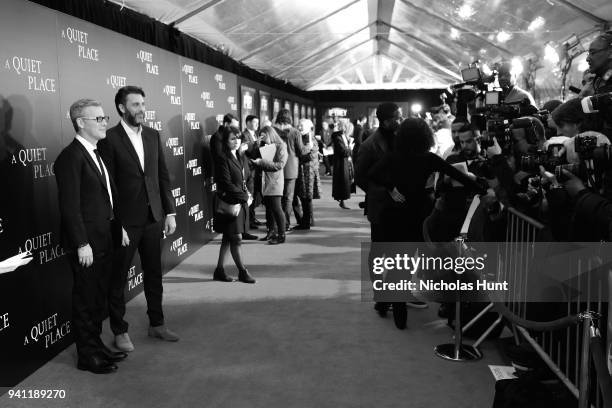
381,44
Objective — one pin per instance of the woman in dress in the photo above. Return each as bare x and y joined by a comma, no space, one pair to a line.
231,191
341,178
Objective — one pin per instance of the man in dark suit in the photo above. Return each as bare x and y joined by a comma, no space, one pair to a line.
250,145
136,163
90,230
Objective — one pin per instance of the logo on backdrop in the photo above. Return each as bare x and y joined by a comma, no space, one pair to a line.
4,322
173,143
178,246
150,116
188,70
48,331
190,118
220,83
35,157
196,213
32,72
134,279
42,247
170,90
146,58
232,102
191,165
116,81
205,96
247,100
178,197
80,39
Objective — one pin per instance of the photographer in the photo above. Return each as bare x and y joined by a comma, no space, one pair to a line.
599,59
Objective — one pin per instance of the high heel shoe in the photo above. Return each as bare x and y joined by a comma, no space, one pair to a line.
244,276
219,275
341,204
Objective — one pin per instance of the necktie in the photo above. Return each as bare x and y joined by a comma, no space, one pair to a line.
103,177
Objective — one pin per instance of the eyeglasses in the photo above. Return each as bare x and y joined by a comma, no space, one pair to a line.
593,52
98,119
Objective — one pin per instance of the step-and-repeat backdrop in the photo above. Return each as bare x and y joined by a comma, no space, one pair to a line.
49,60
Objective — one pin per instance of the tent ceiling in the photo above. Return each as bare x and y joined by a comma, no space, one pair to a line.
375,44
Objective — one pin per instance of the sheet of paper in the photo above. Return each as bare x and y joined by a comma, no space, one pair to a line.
268,152
14,262
502,372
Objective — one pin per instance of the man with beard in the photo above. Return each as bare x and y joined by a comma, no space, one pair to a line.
377,196
600,64
512,93
134,156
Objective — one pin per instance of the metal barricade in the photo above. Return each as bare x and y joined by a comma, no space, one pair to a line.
565,351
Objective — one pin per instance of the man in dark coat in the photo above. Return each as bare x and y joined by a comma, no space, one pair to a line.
136,162
90,231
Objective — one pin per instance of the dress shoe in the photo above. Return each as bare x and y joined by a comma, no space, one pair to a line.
123,342
113,356
277,240
161,332
400,315
381,308
268,237
244,276
341,204
97,364
300,227
246,235
219,275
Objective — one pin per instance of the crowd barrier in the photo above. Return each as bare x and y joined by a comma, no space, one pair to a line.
567,342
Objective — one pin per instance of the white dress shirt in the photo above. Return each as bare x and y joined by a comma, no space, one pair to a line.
136,139
90,149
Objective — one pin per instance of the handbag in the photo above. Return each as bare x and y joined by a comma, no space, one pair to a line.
227,209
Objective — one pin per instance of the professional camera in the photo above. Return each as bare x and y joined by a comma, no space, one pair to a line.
601,103
508,131
472,76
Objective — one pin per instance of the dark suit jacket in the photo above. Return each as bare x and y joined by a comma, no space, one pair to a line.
84,203
138,189
230,176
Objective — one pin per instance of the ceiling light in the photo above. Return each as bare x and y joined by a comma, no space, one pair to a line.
583,65
466,11
517,66
416,108
551,54
454,33
537,22
503,36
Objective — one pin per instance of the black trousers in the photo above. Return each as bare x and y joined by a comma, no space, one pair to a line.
89,296
147,240
302,210
275,218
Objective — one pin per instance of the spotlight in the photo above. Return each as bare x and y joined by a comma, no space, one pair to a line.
517,66
550,54
503,36
416,108
536,23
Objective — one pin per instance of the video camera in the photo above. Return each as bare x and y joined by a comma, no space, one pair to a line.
472,76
